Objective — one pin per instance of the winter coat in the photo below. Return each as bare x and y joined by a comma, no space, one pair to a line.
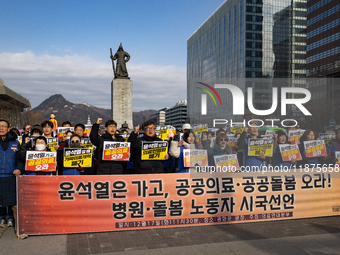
106,167
217,151
9,161
177,152
145,166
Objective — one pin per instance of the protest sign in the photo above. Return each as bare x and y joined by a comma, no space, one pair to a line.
86,143
116,151
337,156
164,132
62,131
326,137
256,146
290,152
193,158
51,143
232,143
228,162
74,157
294,136
154,150
87,130
237,129
315,148
40,161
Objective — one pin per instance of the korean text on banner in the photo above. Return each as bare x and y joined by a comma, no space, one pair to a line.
290,152
193,158
51,143
171,200
326,137
228,162
40,161
116,151
294,136
237,129
256,146
62,131
86,143
315,148
74,157
154,150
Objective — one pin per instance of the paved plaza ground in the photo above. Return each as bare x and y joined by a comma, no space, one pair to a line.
315,236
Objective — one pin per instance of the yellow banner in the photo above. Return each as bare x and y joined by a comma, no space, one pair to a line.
154,150
258,146
77,157
238,129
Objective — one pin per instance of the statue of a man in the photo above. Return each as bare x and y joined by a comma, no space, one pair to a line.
122,57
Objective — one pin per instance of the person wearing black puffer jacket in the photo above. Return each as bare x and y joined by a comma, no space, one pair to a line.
107,167
146,166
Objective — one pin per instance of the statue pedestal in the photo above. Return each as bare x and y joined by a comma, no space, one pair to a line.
121,102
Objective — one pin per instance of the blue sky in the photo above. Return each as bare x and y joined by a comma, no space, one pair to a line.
50,47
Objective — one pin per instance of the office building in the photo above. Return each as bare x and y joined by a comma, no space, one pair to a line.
323,59
240,41
177,115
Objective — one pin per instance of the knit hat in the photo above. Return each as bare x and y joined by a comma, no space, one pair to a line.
36,127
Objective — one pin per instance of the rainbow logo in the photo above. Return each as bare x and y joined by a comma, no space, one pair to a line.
204,97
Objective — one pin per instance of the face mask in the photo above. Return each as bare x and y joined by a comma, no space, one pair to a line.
75,145
40,147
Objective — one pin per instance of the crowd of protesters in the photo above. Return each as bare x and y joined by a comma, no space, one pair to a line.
13,155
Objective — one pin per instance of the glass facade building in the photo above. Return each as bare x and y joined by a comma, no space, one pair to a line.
323,38
323,58
246,39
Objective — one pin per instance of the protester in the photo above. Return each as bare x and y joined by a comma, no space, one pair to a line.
281,137
47,128
106,167
75,142
35,131
79,129
146,166
9,169
251,162
334,144
176,150
311,162
40,144
26,132
221,147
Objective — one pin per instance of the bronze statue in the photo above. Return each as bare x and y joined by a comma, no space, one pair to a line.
122,57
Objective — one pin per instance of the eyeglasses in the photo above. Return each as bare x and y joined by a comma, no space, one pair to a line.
223,139
3,126
75,141
150,128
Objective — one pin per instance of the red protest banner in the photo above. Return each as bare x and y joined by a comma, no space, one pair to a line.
74,204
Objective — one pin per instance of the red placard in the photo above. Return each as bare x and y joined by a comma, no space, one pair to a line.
290,152
40,161
315,148
116,151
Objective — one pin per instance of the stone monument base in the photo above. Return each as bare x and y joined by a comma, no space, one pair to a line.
121,102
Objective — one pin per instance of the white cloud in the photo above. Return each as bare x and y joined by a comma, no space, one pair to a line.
80,78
